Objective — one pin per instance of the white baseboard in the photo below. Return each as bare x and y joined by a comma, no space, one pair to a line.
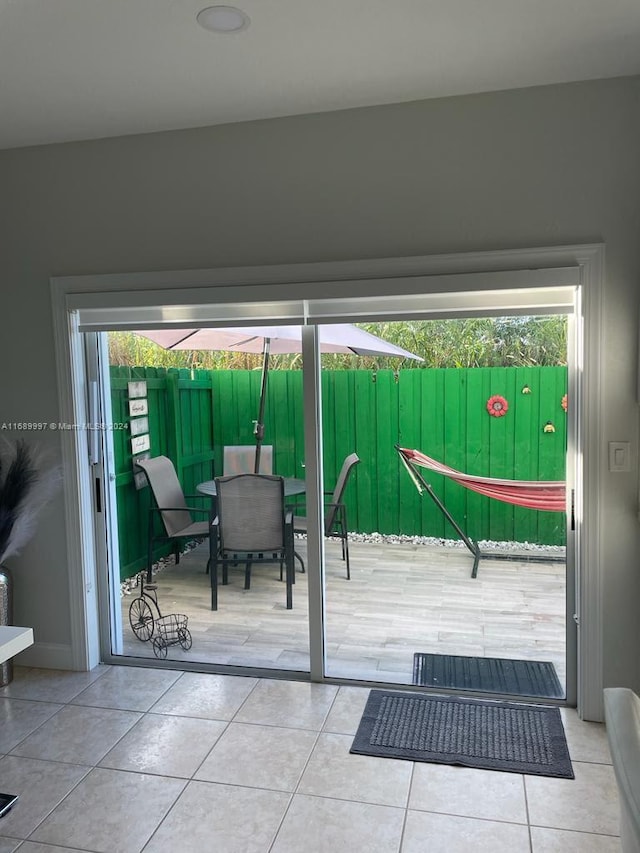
47,656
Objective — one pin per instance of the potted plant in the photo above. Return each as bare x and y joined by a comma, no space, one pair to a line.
26,485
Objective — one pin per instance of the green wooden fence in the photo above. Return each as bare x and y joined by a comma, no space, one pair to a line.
439,411
180,426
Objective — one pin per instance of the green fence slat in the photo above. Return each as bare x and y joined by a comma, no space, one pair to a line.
552,453
295,463
454,409
432,443
388,434
525,464
363,495
409,390
475,447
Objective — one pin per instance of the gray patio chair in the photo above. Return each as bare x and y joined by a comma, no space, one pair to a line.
171,505
252,527
240,459
335,512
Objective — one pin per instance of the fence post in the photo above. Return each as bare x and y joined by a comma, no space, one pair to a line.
216,464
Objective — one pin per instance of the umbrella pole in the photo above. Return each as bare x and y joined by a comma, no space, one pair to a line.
258,429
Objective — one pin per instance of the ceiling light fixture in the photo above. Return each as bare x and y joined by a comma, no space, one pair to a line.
223,19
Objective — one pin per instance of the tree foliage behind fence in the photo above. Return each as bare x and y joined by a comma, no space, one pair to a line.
194,414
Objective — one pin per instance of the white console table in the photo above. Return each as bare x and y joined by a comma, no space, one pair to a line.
13,640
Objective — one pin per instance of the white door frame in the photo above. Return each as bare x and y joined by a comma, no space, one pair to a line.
102,462
289,290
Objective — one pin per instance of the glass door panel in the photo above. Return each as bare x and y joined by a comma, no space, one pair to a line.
450,586
202,410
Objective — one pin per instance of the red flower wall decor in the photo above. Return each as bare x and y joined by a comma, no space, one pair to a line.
497,406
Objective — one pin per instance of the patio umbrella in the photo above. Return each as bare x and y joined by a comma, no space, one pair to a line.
335,338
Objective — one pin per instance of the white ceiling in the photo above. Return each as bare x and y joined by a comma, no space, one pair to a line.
84,69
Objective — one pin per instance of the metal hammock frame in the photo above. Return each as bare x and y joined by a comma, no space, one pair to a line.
545,495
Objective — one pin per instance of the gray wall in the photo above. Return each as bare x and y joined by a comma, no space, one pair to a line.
535,167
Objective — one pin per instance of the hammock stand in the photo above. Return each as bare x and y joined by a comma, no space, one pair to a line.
547,495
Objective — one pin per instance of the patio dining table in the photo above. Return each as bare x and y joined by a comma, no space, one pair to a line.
292,486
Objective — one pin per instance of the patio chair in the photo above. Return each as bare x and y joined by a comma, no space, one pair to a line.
171,504
252,527
240,459
335,511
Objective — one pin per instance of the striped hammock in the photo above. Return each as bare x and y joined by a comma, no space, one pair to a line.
548,495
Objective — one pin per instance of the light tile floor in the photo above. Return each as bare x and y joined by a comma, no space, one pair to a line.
125,759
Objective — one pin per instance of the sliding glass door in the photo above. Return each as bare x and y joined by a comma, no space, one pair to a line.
408,591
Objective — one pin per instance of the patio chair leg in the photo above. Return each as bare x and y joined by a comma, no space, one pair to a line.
212,565
345,542
290,574
214,585
346,552
150,549
282,565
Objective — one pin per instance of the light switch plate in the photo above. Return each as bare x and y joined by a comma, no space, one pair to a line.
619,456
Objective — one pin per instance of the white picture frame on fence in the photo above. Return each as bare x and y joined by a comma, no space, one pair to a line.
138,426
137,388
139,406
140,443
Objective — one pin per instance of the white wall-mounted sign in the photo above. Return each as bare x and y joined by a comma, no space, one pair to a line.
138,426
140,443
139,406
137,388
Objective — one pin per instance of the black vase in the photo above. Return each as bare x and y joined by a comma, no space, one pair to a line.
6,618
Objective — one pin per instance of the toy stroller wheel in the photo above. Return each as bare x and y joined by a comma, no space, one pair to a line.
159,647
184,635
141,619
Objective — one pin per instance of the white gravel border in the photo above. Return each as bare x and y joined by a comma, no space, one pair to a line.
434,541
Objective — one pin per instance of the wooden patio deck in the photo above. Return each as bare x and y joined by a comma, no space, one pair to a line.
401,599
